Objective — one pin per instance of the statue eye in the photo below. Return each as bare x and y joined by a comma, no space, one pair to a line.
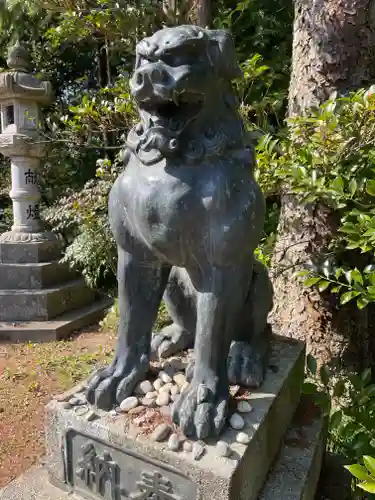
180,59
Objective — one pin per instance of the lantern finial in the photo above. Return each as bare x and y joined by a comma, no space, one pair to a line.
18,58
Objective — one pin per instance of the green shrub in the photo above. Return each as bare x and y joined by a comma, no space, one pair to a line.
328,157
364,475
348,401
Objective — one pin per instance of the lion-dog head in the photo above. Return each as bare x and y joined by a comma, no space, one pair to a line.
182,85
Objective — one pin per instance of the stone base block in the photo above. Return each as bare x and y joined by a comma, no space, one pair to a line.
44,304
295,474
35,275
60,328
293,477
30,252
135,467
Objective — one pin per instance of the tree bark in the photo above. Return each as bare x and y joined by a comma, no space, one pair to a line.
333,50
203,13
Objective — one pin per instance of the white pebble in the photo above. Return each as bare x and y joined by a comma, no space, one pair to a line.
165,377
129,404
223,449
177,364
244,407
175,390
161,432
152,395
243,438
91,416
163,399
149,402
144,387
236,421
166,388
158,384
113,413
180,379
174,442
187,446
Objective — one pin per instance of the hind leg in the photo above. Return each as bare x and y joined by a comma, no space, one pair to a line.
247,360
181,300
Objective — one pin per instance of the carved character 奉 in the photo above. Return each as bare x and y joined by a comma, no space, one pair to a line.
187,215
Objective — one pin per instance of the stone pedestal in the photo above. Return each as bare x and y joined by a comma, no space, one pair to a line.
78,439
104,455
41,299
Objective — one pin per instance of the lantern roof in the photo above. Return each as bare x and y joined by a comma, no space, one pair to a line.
18,83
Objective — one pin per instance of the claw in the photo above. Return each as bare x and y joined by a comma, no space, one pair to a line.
221,416
202,420
104,394
190,371
202,394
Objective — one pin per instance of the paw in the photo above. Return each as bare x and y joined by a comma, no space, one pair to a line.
110,386
201,410
171,340
245,365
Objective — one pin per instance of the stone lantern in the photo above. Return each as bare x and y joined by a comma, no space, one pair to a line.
21,98
40,297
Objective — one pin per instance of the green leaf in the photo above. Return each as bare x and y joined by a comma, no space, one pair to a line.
311,281
370,187
370,464
339,389
370,391
348,296
325,374
368,486
336,419
323,285
356,381
338,184
366,376
353,187
357,276
362,302
312,364
358,471
309,388
360,441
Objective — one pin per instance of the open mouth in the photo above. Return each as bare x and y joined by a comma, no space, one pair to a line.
177,111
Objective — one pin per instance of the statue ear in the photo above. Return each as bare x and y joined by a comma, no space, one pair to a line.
222,53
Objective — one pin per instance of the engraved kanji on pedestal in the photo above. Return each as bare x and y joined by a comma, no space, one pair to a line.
102,475
21,98
99,471
153,486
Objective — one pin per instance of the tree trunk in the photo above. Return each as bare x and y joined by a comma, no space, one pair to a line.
203,12
333,50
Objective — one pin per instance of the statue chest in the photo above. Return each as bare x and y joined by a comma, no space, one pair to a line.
179,211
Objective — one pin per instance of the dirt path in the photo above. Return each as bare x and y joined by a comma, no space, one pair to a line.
29,375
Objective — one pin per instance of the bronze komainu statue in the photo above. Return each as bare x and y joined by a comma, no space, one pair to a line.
187,215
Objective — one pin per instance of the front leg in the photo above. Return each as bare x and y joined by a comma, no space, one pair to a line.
201,410
140,289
